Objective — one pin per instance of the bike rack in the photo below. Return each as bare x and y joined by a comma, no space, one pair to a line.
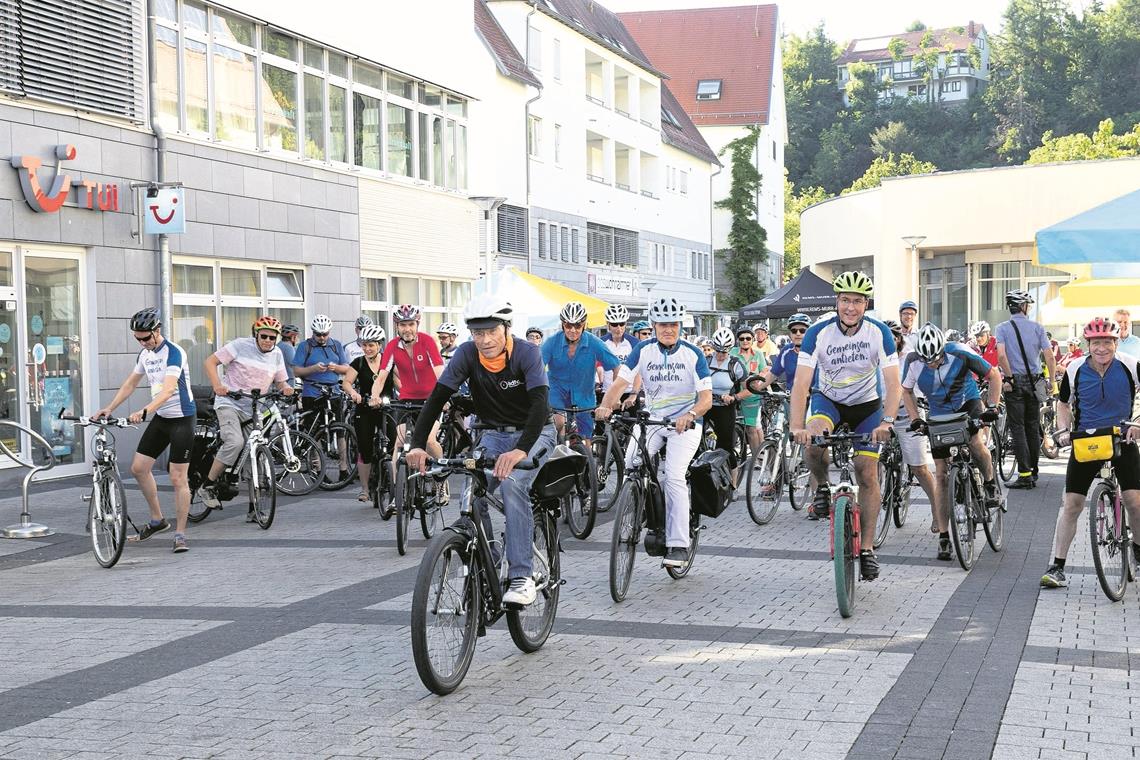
27,528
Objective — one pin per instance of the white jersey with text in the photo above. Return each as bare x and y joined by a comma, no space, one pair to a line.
671,378
167,360
848,365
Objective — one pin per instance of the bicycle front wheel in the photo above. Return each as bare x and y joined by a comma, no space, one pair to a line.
995,524
531,625
961,519
628,514
844,559
581,505
403,505
799,480
301,473
762,483
262,489
905,485
338,444
446,608
107,519
431,509
1109,545
610,469
888,485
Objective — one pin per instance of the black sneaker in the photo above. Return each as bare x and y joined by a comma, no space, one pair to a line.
1054,577
820,508
868,565
944,549
1024,481
675,556
993,497
149,530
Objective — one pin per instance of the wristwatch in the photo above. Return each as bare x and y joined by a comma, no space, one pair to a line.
889,420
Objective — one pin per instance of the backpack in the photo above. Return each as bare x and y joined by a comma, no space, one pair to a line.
710,483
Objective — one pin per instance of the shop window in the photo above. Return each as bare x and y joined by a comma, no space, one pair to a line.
193,280
400,128
374,289
405,290
279,108
241,282
366,112
284,283
314,117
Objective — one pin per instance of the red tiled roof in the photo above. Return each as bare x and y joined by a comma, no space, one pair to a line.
736,45
507,57
869,49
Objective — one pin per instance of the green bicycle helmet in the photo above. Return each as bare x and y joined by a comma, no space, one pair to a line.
853,282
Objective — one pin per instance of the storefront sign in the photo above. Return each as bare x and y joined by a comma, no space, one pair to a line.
97,196
611,284
165,212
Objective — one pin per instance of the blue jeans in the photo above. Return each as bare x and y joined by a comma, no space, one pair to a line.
515,494
563,398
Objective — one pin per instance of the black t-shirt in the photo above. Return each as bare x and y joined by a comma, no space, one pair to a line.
500,398
365,378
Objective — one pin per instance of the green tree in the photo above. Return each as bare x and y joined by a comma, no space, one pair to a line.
813,98
890,166
916,26
897,48
895,137
747,240
794,204
1104,143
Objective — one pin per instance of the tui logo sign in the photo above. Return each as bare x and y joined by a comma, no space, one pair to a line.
97,196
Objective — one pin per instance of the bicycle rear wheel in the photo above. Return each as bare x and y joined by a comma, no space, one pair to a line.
844,559
302,473
107,519
446,608
404,506
609,468
431,511
1007,461
581,504
330,440
995,526
628,515
961,523
262,488
799,480
1109,545
902,502
531,625
888,489
762,483
677,573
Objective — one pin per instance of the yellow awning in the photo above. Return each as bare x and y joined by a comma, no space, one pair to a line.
560,294
1107,294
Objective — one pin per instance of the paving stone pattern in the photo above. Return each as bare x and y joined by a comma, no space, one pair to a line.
293,643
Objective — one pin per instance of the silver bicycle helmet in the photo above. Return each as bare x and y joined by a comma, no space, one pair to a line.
931,343
616,314
321,324
573,313
723,339
667,309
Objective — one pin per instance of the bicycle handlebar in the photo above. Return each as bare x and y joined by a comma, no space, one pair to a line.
119,422
574,409
468,464
830,439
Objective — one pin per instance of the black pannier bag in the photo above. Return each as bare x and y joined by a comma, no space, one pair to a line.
558,474
710,482
206,438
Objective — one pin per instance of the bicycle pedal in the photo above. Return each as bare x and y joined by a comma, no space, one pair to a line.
512,607
85,497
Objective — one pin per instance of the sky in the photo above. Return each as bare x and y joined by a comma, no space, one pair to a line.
846,20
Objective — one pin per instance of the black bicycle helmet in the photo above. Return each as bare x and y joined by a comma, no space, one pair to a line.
146,320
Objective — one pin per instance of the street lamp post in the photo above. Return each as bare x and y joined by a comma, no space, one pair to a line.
914,241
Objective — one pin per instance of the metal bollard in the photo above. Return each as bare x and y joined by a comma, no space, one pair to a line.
26,528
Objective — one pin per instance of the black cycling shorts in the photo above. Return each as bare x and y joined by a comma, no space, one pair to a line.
175,432
973,408
1080,475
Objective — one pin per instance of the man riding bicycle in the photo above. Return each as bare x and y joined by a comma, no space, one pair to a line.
252,363
509,392
447,335
355,349
172,412
782,371
855,357
944,372
570,357
727,375
678,386
534,335
320,361
1097,391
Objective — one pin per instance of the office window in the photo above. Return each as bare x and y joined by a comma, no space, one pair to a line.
541,240
556,64
534,137
558,144
366,111
566,244
399,147
684,186
534,48
574,245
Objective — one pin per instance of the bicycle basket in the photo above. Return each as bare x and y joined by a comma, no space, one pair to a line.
710,483
557,474
949,430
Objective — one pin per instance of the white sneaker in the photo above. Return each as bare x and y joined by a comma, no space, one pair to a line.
209,497
442,493
521,593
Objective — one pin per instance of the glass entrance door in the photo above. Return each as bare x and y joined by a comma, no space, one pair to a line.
11,363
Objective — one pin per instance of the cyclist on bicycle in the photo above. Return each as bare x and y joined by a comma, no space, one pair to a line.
1097,391
320,361
855,357
288,347
570,357
447,335
764,343
641,331
509,391
251,363
678,386
782,371
172,412
754,362
355,349
357,383
417,364
908,312
534,335
728,375
618,341
982,342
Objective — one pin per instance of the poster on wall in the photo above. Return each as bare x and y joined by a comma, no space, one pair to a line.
57,395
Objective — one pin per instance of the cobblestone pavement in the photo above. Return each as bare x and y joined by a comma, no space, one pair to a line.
293,642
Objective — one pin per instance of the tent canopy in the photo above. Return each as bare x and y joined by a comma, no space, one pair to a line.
537,301
806,293
1106,234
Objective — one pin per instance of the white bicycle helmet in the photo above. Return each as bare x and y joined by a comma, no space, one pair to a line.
447,328
723,339
978,328
321,324
616,314
487,310
363,320
406,313
372,334
667,309
931,343
1018,298
573,313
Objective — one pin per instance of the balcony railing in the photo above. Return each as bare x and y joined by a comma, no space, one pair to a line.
597,178
592,99
623,112
623,186
649,194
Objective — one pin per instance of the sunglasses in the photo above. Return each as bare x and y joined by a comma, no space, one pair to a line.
745,340
616,324
320,335
797,331
144,338
266,336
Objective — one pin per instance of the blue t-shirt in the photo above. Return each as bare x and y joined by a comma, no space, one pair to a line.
576,374
784,366
726,376
952,384
288,350
1099,401
1032,337
309,353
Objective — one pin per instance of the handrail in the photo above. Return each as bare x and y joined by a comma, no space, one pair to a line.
27,528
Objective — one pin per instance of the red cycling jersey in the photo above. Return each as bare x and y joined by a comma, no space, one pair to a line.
415,370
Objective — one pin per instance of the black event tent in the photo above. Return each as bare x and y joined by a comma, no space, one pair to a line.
806,293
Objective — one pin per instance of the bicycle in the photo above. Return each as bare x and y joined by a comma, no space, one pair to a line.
459,585
580,507
107,503
337,439
609,445
255,463
640,506
298,461
411,495
1110,533
966,498
845,532
1001,438
1049,445
895,483
777,463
